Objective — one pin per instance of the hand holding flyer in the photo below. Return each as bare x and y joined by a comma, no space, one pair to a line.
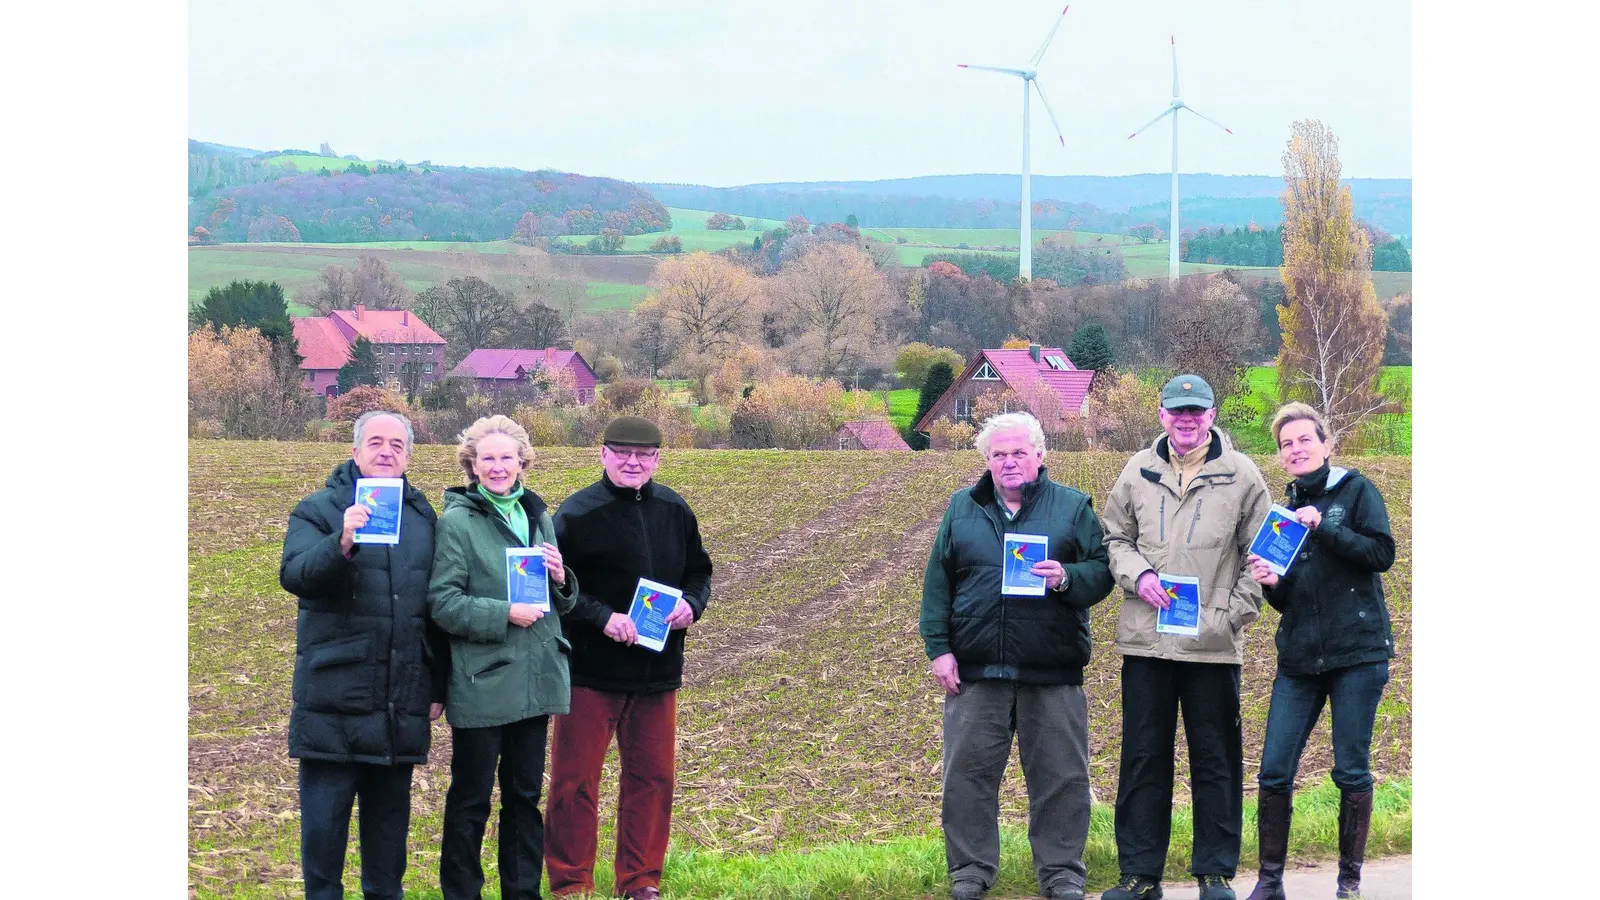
652,603
1279,539
1182,615
526,579
1022,551
381,497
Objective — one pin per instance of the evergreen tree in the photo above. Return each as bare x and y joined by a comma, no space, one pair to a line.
1091,348
361,369
248,304
940,377
852,221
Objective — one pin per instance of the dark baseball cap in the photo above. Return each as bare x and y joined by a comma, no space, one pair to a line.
1187,390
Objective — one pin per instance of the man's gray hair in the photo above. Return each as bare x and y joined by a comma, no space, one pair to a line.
361,423
1007,422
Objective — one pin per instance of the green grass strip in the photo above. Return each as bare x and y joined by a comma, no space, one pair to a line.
914,867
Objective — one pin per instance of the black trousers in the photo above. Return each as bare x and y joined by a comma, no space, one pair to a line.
518,748
327,790
1153,691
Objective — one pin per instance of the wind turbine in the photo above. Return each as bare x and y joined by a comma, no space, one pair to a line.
1029,75
1172,110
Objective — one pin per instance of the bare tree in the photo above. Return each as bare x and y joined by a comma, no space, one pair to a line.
705,300
377,286
473,314
835,296
333,290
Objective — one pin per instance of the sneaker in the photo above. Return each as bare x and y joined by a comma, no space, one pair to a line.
1215,887
1134,887
965,889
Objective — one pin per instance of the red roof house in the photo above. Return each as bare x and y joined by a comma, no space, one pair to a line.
864,434
1024,372
400,341
498,371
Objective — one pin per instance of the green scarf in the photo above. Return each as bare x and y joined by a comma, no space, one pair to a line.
510,510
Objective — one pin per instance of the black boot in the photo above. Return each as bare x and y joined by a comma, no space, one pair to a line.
1273,813
1355,817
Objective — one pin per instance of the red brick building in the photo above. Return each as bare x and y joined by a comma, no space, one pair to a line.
498,371
400,342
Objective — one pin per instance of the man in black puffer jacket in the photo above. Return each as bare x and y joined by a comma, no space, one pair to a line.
612,533
370,670
1014,664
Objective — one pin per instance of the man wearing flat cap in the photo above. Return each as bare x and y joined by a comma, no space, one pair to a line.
1185,507
612,533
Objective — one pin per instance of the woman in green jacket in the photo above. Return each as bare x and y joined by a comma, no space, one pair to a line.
508,661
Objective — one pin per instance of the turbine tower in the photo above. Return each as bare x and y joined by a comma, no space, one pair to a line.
1029,75
1172,110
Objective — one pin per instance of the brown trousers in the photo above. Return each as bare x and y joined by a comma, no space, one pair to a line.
645,726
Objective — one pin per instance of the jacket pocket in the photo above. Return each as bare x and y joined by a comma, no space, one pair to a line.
1216,631
1136,622
564,645
339,675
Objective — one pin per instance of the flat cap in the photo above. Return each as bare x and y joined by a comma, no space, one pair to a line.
632,431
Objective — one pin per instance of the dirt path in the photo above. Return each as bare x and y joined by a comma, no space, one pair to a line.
1381,879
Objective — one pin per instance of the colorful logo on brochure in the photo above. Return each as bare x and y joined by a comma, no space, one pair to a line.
522,566
1172,591
369,498
1277,526
649,600
1017,552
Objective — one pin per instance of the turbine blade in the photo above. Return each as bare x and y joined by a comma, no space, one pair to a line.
1048,38
1164,113
1208,118
1174,66
1017,72
1052,112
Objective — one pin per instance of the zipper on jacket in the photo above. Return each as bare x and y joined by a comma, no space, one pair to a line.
1163,518
1198,501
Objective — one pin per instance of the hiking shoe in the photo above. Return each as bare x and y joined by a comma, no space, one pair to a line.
1065,892
1215,887
965,889
1134,887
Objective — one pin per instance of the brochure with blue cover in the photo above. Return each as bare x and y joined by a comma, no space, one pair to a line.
1022,551
652,603
1182,615
527,580
1279,539
381,497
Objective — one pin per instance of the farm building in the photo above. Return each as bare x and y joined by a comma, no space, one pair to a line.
400,341
864,434
501,371
1041,376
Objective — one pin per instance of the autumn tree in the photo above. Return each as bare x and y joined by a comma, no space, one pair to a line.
916,358
1209,328
835,297
1397,348
243,385
1145,233
1333,328
705,301
534,325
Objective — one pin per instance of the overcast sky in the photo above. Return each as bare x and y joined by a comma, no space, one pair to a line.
725,93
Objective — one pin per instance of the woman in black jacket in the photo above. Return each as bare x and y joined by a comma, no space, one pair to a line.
1334,643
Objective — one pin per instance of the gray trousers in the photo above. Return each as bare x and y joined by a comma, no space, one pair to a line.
1051,723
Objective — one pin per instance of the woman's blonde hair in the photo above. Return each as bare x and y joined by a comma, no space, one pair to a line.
467,449
1296,412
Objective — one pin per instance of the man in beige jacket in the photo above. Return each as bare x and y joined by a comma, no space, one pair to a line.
1186,506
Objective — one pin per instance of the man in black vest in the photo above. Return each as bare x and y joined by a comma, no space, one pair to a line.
370,670
612,533
1014,664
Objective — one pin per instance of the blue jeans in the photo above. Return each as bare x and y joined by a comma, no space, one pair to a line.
1352,694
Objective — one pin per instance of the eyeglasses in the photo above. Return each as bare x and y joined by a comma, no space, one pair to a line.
1195,411
638,453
